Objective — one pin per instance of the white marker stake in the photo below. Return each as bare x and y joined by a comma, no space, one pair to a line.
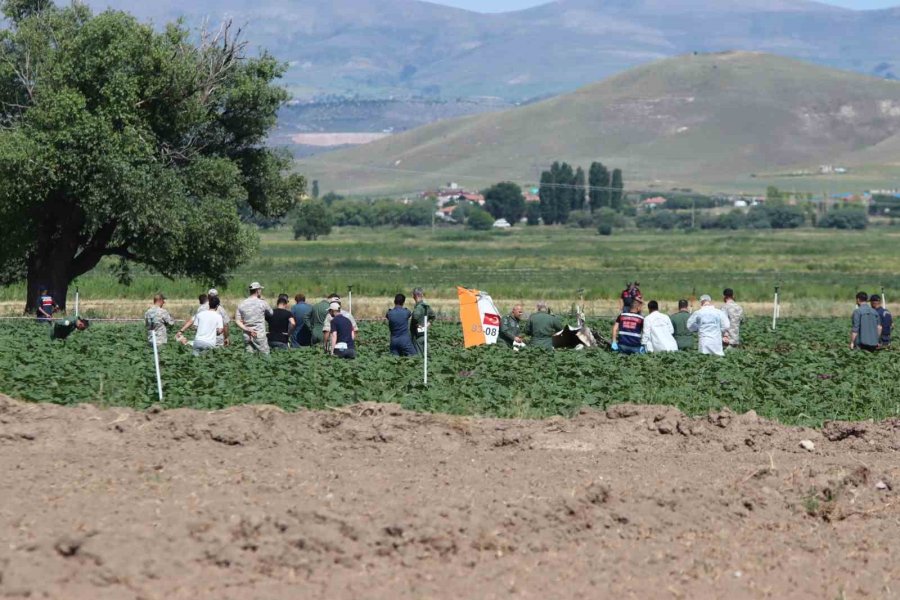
156,362
883,301
775,311
425,347
350,300
76,302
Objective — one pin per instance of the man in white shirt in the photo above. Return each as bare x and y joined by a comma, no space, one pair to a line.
209,325
658,331
710,323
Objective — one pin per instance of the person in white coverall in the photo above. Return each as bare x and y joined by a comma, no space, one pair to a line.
709,322
658,331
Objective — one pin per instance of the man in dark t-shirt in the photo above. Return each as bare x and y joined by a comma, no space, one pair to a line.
887,320
342,333
302,336
281,324
398,324
629,327
64,327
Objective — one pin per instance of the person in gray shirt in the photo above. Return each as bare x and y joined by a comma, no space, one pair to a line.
865,331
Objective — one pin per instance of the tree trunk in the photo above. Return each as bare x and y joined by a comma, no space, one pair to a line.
50,275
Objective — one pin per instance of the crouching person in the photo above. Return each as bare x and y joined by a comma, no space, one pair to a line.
209,324
342,335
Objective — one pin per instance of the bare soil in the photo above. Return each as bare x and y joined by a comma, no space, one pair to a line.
376,502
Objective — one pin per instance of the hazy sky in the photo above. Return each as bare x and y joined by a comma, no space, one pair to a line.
504,5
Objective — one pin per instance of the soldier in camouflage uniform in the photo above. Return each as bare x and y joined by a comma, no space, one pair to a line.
159,320
250,318
732,336
417,321
510,326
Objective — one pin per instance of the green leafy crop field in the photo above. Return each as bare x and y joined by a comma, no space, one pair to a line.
801,374
811,266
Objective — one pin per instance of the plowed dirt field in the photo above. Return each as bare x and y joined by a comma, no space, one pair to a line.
374,502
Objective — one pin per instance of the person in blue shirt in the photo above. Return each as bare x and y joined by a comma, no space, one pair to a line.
887,320
398,323
46,306
302,336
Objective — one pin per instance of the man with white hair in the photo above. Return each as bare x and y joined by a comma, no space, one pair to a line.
542,326
709,322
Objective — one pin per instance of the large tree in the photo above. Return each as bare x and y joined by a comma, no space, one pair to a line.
504,200
120,141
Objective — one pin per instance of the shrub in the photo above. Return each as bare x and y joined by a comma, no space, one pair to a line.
480,220
845,218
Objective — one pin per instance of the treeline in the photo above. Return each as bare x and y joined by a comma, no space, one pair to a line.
564,189
762,216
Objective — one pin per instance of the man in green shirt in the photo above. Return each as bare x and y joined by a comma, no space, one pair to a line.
542,326
683,336
417,321
314,320
510,326
64,327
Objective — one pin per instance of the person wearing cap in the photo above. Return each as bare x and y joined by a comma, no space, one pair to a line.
326,326
887,320
398,324
417,320
209,326
158,320
342,334
865,329
281,325
709,323
222,338
658,331
542,326
302,336
250,318
628,329
683,336
735,312
315,319
46,306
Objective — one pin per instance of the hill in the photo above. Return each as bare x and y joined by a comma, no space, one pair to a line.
383,48
695,121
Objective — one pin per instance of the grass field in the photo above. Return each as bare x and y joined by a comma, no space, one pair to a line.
817,270
801,374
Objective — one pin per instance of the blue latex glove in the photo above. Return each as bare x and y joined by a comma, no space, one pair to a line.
615,346
642,350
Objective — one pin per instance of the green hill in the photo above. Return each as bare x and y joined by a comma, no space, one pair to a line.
693,121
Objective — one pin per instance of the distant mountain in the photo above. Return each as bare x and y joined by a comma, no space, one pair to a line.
695,121
380,48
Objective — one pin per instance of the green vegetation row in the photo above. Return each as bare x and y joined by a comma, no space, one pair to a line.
550,262
801,374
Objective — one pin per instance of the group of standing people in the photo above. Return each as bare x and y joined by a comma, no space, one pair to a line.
716,328
324,324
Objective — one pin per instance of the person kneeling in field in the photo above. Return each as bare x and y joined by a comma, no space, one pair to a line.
64,327
659,332
710,323
342,333
209,325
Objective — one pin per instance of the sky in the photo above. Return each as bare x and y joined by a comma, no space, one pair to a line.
505,5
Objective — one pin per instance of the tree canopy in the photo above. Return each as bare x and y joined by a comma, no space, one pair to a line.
504,200
121,141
